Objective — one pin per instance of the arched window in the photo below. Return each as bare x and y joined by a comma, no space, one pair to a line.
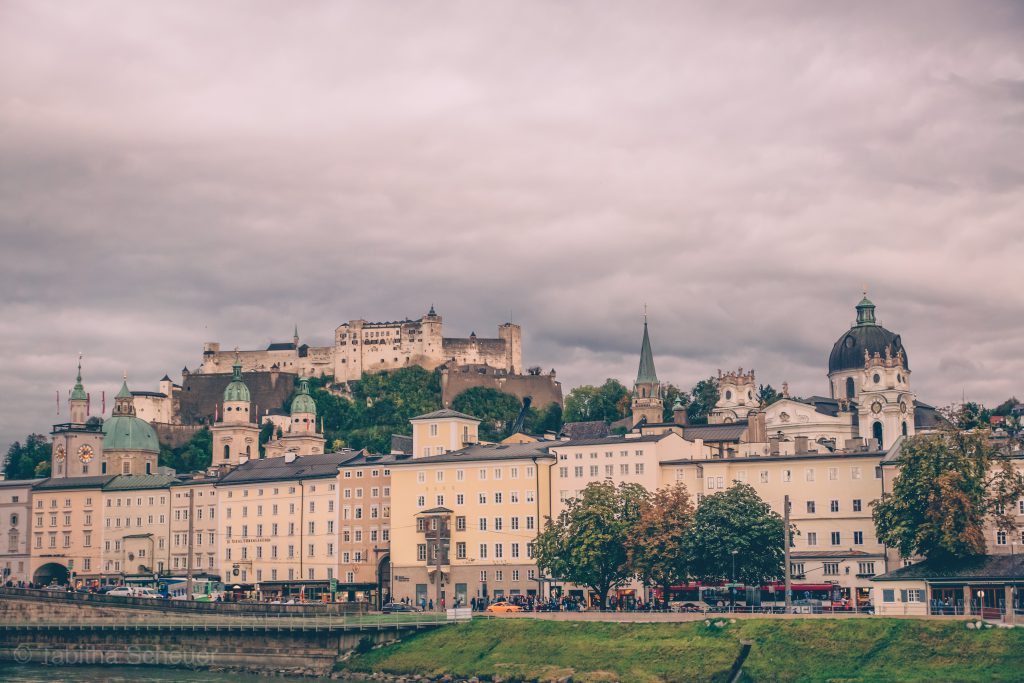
227,452
904,428
850,389
876,432
248,451
12,541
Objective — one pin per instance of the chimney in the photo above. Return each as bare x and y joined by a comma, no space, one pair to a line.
679,414
800,444
773,445
290,457
757,430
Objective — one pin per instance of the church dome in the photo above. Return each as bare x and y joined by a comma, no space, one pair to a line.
303,403
129,433
865,335
236,390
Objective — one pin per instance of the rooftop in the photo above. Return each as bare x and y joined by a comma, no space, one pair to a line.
981,568
484,453
130,482
443,413
278,469
67,483
607,440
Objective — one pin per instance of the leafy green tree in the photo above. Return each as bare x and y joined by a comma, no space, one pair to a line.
608,402
737,519
657,545
196,454
949,485
548,419
971,415
767,395
670,393
1006,407
28,460
496,410
586,545
704,396
266,432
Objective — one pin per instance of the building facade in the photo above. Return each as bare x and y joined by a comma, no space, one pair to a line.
15,530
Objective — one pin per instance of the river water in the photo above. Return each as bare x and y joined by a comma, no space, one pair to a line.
35,673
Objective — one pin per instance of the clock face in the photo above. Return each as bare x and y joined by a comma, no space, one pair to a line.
903,407
60,452
876,407
85,452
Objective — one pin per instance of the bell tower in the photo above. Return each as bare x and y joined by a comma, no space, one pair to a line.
885,403
647,404
236,438
78,444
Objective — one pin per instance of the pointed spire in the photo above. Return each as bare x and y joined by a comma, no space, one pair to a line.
295,337
432,311
78,393
646,373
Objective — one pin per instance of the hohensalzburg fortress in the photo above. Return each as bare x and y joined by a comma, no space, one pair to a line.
361,346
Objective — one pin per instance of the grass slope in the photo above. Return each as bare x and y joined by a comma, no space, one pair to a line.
784,650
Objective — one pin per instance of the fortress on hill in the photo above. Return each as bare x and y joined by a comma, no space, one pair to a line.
360,346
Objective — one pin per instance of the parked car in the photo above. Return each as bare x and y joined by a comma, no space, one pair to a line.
122,591
399,607
54,587
503,607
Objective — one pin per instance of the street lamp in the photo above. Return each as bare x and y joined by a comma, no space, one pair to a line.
732,589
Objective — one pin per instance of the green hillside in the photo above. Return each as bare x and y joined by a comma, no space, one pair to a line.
867,649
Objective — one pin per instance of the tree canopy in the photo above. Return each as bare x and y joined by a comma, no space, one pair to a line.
496,410
949,485
585,545
737,519
704,396
196,454
28,460
657,543
608,402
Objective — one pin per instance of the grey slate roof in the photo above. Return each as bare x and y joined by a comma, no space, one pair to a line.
727,432
130,482
277,469
400,443
484,453
981,568
608,440
67,483
596,429
445,412
281,346
19,482
363,459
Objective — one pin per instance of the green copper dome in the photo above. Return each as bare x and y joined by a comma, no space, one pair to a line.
303,403
236,390
129,433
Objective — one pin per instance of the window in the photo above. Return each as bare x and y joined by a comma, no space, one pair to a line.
460,550
812,538
515,550
809,474
833,506
498,551
482,522
858,538
529,523
460,499
421,501
497,497
810,507
609,471
624,468
440,500
836,539
594,470
787,475
482,498
563,472
833,473
638,468
831,569
855,472
915,595
577,471
483,551
796,568
421,552
1000,538
888,595
856,505
866,569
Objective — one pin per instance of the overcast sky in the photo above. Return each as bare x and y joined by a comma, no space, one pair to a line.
178,172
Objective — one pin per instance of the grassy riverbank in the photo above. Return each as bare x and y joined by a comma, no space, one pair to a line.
783,650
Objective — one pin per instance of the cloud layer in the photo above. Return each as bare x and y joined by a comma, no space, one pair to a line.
181,172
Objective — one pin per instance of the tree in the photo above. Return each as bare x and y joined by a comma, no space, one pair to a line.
1006,407
586,544
704,397
737,519
196,454
767,395
971,415
657,545
670,393
949,485
496,410
548,419
608,402
28,460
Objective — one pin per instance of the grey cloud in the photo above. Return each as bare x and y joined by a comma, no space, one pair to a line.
171,174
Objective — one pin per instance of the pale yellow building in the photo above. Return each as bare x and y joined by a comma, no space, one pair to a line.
15,529
67,529
442,431
364,529
136,511
194,499
277,523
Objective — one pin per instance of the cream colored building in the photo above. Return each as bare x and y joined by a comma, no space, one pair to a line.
299,435
67,529
15,529
277,523
136,512
443,431
194,512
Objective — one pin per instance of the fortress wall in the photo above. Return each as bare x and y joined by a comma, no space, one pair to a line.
200,393
543,389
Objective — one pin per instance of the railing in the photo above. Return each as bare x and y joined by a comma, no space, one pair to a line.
97,599
280,623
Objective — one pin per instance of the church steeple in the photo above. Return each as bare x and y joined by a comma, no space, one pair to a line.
124,402
865,312
646,404
79,401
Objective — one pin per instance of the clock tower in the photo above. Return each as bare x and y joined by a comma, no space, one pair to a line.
78,444
885,403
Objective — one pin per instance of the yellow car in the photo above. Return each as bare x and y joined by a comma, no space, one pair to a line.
503,607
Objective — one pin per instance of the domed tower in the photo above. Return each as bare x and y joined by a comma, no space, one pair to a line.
130,445
236,438
846,362
647,402
301,438
737,397
78,444
885,403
